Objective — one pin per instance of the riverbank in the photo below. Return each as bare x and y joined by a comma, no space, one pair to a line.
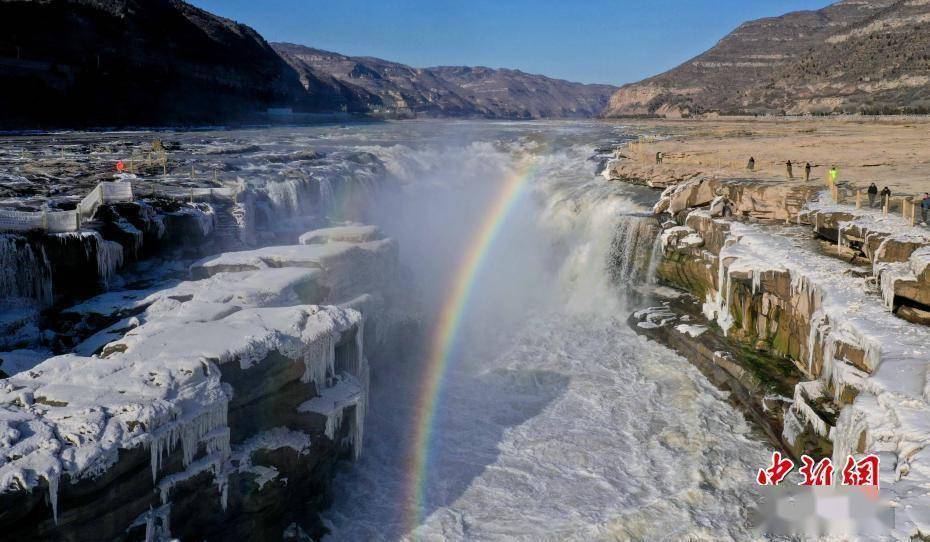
829,292
891,151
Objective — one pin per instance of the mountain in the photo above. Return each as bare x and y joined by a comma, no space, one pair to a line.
149,62
852,56
384,87
78,63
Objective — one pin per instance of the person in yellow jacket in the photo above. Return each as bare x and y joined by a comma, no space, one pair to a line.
833,174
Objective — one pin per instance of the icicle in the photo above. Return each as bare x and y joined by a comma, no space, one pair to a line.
53,479
24,270
658,252
327,196
157,523
358,429
319,361
189,431
150,527
792,427
359,345
222,483
817,320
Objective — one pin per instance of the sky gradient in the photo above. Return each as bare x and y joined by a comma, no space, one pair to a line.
596,41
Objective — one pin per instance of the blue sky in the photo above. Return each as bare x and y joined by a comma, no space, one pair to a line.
596,41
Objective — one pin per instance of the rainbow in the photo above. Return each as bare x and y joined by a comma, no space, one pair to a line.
443,339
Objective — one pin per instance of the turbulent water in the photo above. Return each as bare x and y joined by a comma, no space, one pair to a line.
556,420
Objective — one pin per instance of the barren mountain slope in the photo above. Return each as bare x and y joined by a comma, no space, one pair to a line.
855,55
100,62
395,88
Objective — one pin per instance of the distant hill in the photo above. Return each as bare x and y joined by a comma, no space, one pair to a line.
106,62
853,56
381,86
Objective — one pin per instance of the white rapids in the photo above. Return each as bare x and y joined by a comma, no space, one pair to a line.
556,420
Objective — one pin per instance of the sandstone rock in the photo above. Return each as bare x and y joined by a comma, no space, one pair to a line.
867,367
763,200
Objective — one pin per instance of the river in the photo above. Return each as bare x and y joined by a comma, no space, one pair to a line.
554,419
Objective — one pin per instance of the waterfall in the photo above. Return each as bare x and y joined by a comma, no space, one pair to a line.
633,257
654,258
327,197
24,270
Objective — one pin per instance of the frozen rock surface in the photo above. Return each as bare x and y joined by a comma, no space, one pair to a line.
346,268
195,388
356,233
869,392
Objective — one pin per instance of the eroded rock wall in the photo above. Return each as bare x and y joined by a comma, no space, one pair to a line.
774,291
214,409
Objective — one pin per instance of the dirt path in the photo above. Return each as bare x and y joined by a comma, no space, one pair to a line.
889,151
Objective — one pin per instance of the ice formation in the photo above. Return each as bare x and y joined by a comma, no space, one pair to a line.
158,384
332,402
353,233
890,411
24,271
108,254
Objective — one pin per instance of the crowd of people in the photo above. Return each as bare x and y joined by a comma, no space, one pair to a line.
876,198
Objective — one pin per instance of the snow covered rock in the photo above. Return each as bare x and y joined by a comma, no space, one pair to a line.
348,269
868,369
181,389
356,233
757,199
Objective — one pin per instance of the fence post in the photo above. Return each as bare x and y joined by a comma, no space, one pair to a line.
886,205
858,199
192,195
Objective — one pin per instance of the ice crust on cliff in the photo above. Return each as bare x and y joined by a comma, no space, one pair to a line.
891,412
352,233
158,383
332,403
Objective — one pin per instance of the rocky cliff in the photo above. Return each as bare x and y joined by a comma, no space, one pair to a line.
852,56
213,409
810,312
115,62
381,86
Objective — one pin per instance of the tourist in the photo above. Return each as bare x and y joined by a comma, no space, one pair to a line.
807,172
886,195
873,192
925,205
833,174
751,166
659,157
790,172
